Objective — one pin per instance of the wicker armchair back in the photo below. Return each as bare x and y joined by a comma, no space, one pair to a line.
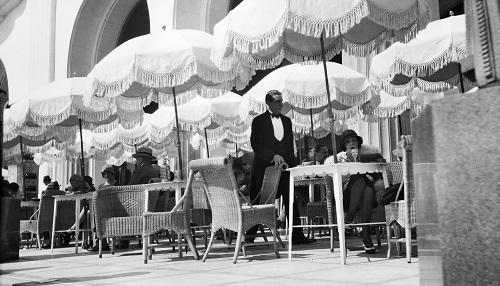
118,210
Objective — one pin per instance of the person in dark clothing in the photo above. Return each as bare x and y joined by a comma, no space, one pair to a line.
272,143
144,170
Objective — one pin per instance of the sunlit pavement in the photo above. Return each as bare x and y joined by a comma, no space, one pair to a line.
312,264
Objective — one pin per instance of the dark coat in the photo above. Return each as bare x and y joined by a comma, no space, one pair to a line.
142,175
264,147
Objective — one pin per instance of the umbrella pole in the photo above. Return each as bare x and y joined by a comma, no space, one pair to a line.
312,132
22,162
178,135
236,152
461,78
330,115
81,148
135,147
206,142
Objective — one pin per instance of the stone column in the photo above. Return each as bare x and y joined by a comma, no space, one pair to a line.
4,98
457,170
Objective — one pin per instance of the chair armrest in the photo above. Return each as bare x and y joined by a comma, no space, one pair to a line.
33,215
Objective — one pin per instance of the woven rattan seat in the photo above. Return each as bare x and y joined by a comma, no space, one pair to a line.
118,211
403,211
224,197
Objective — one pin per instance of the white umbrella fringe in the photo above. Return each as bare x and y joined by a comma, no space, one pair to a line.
402,27
428,86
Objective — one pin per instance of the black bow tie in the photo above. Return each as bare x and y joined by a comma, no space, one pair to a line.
275,115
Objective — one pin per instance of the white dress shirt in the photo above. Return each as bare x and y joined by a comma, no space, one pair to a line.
279,132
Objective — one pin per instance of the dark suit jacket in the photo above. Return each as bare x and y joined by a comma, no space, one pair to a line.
264,147
142,175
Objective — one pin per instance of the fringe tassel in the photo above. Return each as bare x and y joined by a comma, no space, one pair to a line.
452,54
195,126
50,119
226,121
332,27
392,20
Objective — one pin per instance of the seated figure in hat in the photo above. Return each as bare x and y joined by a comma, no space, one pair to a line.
78,185
144,171
358,189
108,173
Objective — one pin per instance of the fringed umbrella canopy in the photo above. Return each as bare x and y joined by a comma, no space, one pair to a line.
260,33
304,92
147,68
391,106
58,107
429,62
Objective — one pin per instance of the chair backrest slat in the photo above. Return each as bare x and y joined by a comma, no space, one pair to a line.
221,189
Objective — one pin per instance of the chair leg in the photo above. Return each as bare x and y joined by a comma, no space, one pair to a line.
100,248
237,246
212,236
408,244
377,233
279,239
190,242
145,248
275,232
388,230
331,239
112,245
397,235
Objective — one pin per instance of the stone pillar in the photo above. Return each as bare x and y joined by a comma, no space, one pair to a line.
457,170
3,101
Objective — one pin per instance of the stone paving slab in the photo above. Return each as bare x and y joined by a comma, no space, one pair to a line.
311,265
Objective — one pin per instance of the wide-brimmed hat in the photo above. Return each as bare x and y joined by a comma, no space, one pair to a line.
53,186
144,152
347,134
107,168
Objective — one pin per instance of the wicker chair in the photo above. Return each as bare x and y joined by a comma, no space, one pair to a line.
403,211
178,220
201,214
45,215
225,200
119,210
267,195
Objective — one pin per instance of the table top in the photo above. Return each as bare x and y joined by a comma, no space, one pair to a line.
342,168
72,197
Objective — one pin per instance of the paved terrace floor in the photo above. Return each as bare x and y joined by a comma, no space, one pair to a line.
311,265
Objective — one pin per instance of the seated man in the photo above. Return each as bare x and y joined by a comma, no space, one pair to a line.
144,171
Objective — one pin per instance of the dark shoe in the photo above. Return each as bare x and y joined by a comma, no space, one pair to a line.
370,250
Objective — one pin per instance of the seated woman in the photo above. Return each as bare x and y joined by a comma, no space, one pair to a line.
242,176
359,192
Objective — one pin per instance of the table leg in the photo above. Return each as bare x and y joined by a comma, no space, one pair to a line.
337,189
53,227
77,222
290,215
311,191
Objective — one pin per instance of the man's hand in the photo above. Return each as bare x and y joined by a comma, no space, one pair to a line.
277,159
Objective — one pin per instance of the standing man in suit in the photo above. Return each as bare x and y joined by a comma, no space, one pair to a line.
272,142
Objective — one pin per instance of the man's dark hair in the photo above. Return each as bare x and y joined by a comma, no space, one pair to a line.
269,95
46,178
